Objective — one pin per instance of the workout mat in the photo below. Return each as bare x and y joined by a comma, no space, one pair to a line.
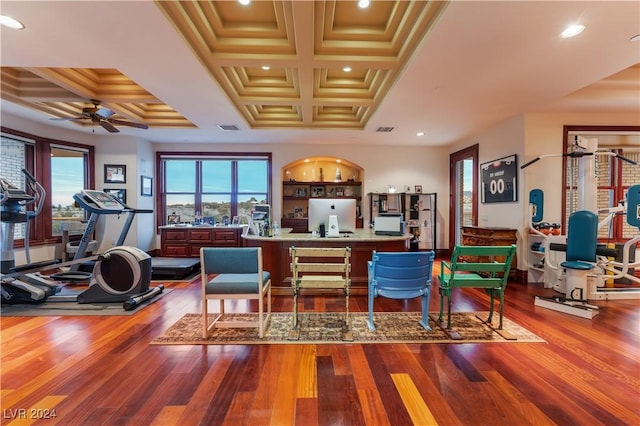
176,268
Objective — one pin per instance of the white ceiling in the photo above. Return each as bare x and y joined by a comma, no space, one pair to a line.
481,63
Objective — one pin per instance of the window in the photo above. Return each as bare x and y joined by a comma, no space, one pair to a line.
613,175
68,176
216,187
63,168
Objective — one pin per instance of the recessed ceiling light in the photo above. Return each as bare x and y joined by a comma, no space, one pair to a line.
363,4
635,38
266,67
420,134
572,31
9,22
244,2
346,69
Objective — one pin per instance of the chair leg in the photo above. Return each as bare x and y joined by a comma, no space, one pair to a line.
490,306
449,312
425,311
442,296
260,313
294,333
370,323
295,307
501,309
205,318
347,335
346,312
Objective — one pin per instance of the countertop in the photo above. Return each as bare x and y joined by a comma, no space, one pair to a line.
359,235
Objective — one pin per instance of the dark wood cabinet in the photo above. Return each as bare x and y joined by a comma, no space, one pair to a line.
187,241
490,236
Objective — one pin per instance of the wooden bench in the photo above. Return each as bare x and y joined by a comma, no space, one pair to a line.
490,271
320,268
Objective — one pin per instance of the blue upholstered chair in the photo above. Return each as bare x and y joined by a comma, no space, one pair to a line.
234,273
401,275
582,243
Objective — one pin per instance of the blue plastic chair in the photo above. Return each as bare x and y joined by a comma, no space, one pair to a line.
401,275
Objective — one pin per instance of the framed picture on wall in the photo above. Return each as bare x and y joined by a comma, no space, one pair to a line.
146,186
418,189
115,173
499,180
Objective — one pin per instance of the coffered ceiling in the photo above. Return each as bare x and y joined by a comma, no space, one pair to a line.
190,70
305,50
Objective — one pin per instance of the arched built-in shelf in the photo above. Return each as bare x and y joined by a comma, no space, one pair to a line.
318,177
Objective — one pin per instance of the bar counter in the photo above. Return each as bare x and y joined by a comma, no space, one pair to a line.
275,253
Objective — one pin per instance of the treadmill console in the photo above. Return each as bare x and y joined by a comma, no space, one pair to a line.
13,193
100,201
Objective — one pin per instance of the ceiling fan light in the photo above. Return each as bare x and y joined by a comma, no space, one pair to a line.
10,22
572,30
363,4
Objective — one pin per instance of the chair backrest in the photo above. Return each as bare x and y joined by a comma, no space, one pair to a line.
401,271
494,260
582,236
633,206
231,260
327,263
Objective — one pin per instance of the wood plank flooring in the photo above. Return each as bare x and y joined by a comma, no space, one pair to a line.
102,371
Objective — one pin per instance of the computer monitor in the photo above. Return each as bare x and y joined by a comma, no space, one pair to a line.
343,208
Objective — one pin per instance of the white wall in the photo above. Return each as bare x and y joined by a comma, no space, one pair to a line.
138,157
502,140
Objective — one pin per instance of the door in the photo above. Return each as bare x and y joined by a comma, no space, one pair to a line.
463,197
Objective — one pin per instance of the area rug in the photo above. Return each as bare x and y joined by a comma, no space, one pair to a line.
317,328
53,309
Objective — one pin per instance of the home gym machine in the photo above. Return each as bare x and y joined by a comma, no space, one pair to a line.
120,274
588,265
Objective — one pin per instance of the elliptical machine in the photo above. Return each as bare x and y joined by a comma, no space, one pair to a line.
120,274
13,203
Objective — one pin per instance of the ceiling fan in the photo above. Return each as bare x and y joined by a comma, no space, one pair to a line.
103,117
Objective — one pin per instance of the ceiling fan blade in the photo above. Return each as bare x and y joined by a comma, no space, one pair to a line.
128,123
68,118
108,126
104,112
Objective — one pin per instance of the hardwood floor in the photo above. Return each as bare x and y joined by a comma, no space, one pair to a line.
102,370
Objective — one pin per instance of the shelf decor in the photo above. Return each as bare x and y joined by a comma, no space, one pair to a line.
115,173
499,180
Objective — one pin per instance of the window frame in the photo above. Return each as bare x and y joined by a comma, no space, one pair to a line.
160,184
38,163
617,187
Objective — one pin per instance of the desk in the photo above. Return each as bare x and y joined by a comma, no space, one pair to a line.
275,254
